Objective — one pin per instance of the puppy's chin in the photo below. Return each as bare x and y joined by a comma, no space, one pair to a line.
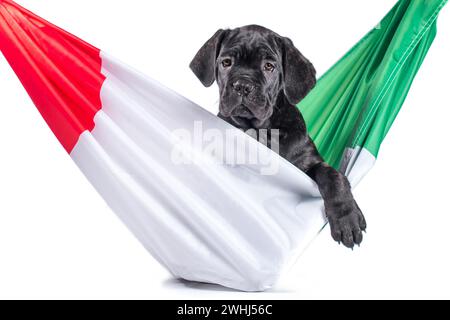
248,123
247,120
260,123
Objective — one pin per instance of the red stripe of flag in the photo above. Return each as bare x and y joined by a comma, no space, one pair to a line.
61,73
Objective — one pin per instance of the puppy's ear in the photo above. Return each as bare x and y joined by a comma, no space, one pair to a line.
299,73
204,62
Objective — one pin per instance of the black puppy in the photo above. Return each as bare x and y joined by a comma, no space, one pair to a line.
261,77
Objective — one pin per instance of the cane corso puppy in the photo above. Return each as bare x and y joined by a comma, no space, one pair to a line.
261,77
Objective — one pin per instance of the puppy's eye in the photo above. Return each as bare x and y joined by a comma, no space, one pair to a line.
269,67
226,63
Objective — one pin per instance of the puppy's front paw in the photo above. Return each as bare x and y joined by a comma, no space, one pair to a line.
346,222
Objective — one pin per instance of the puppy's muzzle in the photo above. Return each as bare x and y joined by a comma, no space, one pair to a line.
243,98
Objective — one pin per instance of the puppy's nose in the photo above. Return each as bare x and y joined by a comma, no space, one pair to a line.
243,87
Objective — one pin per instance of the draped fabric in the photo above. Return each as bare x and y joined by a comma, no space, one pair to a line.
356,101
234,223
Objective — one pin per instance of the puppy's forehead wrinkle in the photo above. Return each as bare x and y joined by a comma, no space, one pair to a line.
251,40
254,49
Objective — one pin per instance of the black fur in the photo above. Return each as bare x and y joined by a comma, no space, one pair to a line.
261,77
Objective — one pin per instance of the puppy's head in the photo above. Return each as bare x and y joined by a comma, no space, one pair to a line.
253,66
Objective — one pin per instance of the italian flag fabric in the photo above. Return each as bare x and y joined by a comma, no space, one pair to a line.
230,223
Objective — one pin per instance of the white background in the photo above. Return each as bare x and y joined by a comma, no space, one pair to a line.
58,239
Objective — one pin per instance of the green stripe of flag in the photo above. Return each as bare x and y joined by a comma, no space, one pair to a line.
357,100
